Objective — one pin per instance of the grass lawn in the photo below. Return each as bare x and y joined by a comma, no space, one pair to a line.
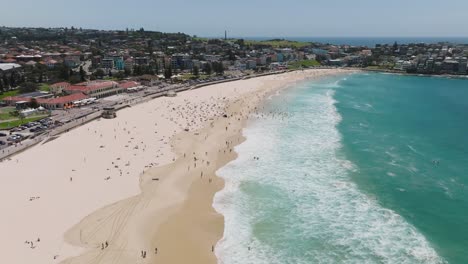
107,78
44,87
9,93
18,122
5,113
304,64
190,76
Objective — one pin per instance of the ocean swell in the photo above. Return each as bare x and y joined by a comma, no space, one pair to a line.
296,203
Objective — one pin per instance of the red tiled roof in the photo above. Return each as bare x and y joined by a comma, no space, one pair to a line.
60,84
127,85
15,99
9,60
64,99
86,87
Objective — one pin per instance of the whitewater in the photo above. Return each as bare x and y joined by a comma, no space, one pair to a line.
297,203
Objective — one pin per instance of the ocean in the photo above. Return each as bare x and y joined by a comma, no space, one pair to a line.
369,41
360,168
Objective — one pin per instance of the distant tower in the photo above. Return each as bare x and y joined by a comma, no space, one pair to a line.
225,34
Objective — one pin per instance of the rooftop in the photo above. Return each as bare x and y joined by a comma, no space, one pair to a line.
9,66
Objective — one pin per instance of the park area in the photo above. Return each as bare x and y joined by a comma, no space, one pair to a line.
10,117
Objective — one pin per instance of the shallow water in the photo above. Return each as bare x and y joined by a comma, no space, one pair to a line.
363,168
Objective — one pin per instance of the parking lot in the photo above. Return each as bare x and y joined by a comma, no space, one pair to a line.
20,133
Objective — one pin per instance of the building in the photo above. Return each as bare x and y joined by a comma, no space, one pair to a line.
107,63
109,113
72,61
462,66
131,86
181,61
58,88
63,102
97,89
26,98
251,64
117,62
51,63
141,61
7,67
335,62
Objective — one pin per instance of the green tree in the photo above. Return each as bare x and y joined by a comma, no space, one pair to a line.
196,71
137,71
218,68
231,55
99,73
28,87
120,75
14,113
64,72
82,74
168,73
75,79
6,82
127,72
207,68
13,79
33,103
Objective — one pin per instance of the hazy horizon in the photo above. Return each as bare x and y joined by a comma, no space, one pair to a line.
360,18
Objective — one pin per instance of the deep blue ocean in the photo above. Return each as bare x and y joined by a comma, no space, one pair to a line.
361,168
370,41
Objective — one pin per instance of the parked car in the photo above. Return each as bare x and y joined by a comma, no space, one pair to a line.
2,143
14,138
2,134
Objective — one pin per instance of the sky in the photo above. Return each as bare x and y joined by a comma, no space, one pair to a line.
249,18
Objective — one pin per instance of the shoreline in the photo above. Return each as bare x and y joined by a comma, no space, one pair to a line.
169,208
396,72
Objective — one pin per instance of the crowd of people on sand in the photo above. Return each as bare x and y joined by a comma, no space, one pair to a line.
189,116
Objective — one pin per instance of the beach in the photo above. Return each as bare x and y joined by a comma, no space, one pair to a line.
135,189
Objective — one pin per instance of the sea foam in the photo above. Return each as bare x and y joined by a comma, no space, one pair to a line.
297,203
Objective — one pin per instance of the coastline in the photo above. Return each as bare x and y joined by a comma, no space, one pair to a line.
171,207
396,72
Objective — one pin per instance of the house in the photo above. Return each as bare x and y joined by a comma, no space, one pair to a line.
251,64
72,61
6,67
51,63
31,63
9,69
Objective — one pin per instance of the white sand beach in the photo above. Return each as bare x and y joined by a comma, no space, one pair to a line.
110,190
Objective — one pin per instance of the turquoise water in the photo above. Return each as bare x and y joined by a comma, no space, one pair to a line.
362,168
